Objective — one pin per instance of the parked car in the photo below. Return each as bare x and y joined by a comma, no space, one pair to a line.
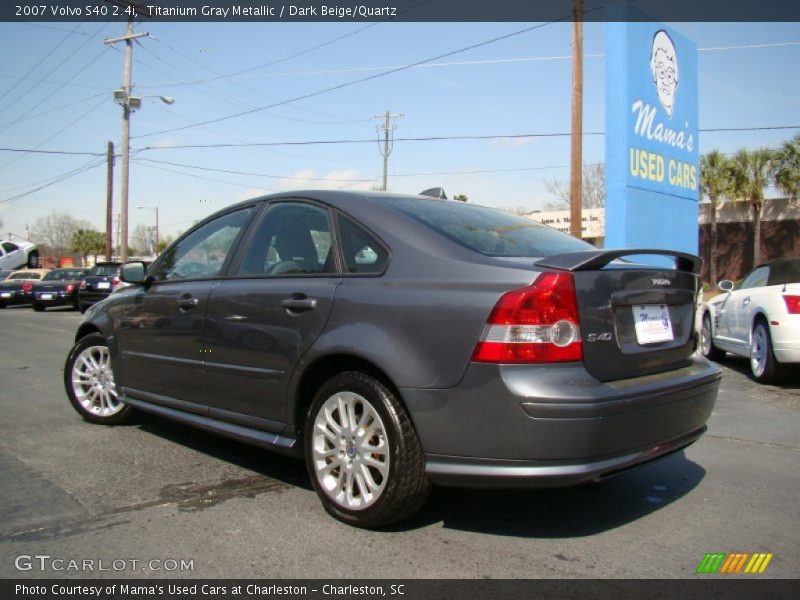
18,255
5,273
98,284
17,288
760,320
58,288
398,341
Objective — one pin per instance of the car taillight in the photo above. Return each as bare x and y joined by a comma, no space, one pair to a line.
83,284
70,288
115,281
27,287
538,323
792,304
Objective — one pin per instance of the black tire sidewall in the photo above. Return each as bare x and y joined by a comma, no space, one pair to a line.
386,405
93,339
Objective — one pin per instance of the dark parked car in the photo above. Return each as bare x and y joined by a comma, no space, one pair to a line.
17,288
98,284
394,341
4,274
58,288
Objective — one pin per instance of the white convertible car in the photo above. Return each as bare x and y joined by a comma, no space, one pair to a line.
760,320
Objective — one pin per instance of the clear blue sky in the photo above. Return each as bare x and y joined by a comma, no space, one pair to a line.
499,90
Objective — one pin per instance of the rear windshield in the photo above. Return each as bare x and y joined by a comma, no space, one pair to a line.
785,272
489,231
104,270
59,274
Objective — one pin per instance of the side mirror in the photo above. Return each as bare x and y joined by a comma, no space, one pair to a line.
726,285
133,273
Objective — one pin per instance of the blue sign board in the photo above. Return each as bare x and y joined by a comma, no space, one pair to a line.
652,157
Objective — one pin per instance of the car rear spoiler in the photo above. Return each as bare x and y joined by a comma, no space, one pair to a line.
596,259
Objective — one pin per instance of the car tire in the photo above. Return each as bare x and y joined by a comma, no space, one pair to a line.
89,382
707,347
763,365
372,488
33,259
38,307
2,305
82,307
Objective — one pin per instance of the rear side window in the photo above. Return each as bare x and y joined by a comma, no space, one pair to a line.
489,231
363,254
9,247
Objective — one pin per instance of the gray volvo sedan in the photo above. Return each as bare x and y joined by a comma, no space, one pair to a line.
397,341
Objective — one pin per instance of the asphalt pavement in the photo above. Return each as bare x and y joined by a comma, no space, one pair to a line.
158,499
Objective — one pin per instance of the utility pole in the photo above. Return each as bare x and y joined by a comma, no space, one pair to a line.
576,159
129,104
388,128
109,198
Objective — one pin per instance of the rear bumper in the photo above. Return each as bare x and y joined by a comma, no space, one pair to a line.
786,338
58,299
526,425
89,298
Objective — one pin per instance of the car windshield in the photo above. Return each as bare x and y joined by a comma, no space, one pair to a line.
25,275
104,270
61,274
489,231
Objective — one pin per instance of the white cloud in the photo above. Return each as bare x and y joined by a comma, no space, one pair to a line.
350,179
512,143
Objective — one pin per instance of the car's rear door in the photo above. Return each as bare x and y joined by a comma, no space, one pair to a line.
262,318
159,326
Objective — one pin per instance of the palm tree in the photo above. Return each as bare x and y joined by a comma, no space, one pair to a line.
787,167
751,173
715,182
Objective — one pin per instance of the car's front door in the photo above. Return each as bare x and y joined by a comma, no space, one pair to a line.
740,304
160,326
260,321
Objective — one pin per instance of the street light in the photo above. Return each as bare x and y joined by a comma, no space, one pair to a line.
156,211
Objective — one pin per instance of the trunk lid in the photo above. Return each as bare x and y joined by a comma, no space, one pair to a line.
634,319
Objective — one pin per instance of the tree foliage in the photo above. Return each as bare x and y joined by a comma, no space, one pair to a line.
593,189
715,182
787,167
88,242
55,232
751,172
461,197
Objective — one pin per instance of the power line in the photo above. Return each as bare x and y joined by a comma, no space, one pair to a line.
41,60
205,178
306,51
372,140
51,110
60,131
357,81
54,69
56,179
494,61
249,174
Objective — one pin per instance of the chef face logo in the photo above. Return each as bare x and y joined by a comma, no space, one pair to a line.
664,67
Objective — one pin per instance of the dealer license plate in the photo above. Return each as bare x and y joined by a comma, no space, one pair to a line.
103,285
46,296
652,323
5,295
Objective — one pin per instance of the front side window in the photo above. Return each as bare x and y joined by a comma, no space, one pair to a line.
757,278
292,238
202,252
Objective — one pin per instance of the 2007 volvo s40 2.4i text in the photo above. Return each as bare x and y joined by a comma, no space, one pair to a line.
398,341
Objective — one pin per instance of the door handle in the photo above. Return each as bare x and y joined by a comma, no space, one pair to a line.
187,303
746,301
299,304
